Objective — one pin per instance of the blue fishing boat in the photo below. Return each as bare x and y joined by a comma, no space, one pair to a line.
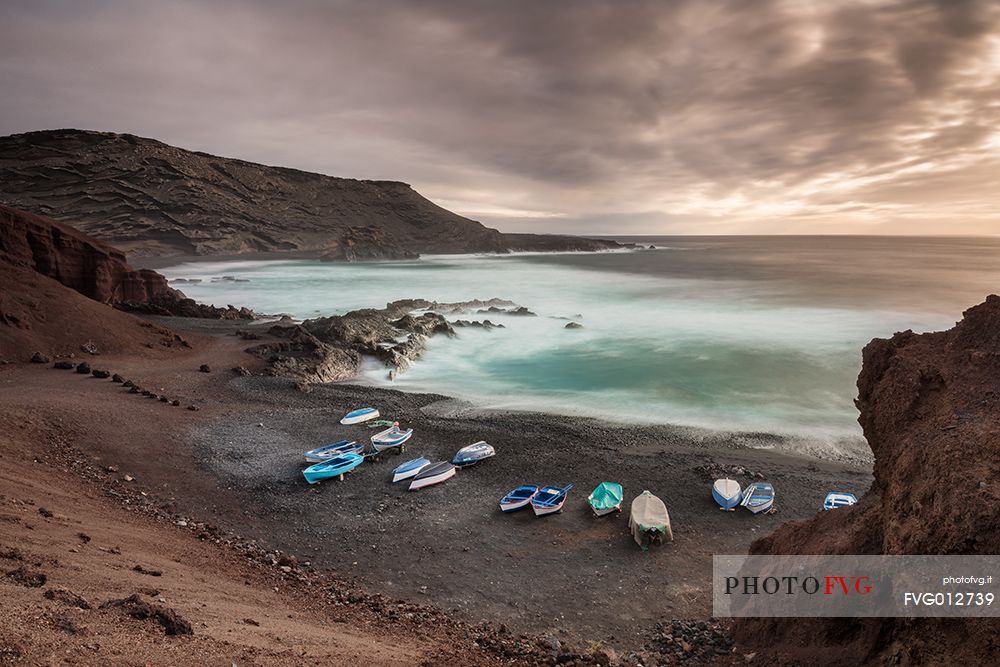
550,500
335,467
758,497
409,469
519,498
391,438
358,416
836,499
474,453
332,451
727,493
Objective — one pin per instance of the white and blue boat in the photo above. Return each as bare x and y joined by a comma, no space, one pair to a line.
727,493
550,500
409,469
758,497
391,438
519,498
836,499
332,451
358,416
474,453
330,468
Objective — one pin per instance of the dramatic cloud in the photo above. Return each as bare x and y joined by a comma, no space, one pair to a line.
619,116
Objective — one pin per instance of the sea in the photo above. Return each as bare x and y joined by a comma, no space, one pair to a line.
751,334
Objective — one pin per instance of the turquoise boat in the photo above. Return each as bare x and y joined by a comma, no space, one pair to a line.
332,468
606,498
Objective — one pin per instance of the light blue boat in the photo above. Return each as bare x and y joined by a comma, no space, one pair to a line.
474,453
334,450
836,499
409,469
358,416
758,497
335,467
518,499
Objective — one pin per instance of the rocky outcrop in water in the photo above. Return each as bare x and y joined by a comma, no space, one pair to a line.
330,349
929,407
151,199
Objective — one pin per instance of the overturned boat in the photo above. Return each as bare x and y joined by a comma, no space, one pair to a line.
519,498
358,416
727,493
649,521
606,498
432,474
474,453
334,450
409,469
330,468
758,497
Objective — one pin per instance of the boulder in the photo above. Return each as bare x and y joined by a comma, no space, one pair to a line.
204,368
39,358
100,374
83,368
64,365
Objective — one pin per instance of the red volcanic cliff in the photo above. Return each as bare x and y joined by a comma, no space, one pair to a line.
930,409
74,259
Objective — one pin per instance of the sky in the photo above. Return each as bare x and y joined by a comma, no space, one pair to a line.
570,116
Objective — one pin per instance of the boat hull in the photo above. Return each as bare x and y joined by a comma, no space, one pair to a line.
319,472
358,416
399,475
548,509
514,506
424,482
606,510
472,454
726,493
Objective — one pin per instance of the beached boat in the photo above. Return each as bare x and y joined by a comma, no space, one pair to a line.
332,451
550,499
474,453
519,498
836,499
432,474
758,497
727,493
335,467
358,416
409,469
649,521
606,498
391,438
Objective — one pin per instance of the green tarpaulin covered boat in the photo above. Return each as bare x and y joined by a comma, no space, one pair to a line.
606,498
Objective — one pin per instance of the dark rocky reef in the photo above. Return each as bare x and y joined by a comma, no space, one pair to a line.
929,407
151,199
96,270
330,349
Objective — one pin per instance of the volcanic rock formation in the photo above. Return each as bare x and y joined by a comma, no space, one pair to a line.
151,199
929,405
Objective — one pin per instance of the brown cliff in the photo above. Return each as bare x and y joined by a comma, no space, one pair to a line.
151,199
929,407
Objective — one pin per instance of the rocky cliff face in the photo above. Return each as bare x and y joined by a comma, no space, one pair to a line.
49,248
151,199
929,407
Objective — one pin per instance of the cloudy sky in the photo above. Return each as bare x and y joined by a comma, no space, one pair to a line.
615,116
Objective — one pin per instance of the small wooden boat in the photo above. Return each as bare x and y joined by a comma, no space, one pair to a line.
331,451
432,474
358,416
606,498
391,438
758,497
409,469
335,467
836,499
727,493
648,520
550,500
519,498
474,453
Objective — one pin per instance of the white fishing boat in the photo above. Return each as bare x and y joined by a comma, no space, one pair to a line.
518,499
358,416
758,497
409,469
550,500
836,499
391,438
727,493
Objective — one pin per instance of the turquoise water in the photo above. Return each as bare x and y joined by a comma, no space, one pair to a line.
731,333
